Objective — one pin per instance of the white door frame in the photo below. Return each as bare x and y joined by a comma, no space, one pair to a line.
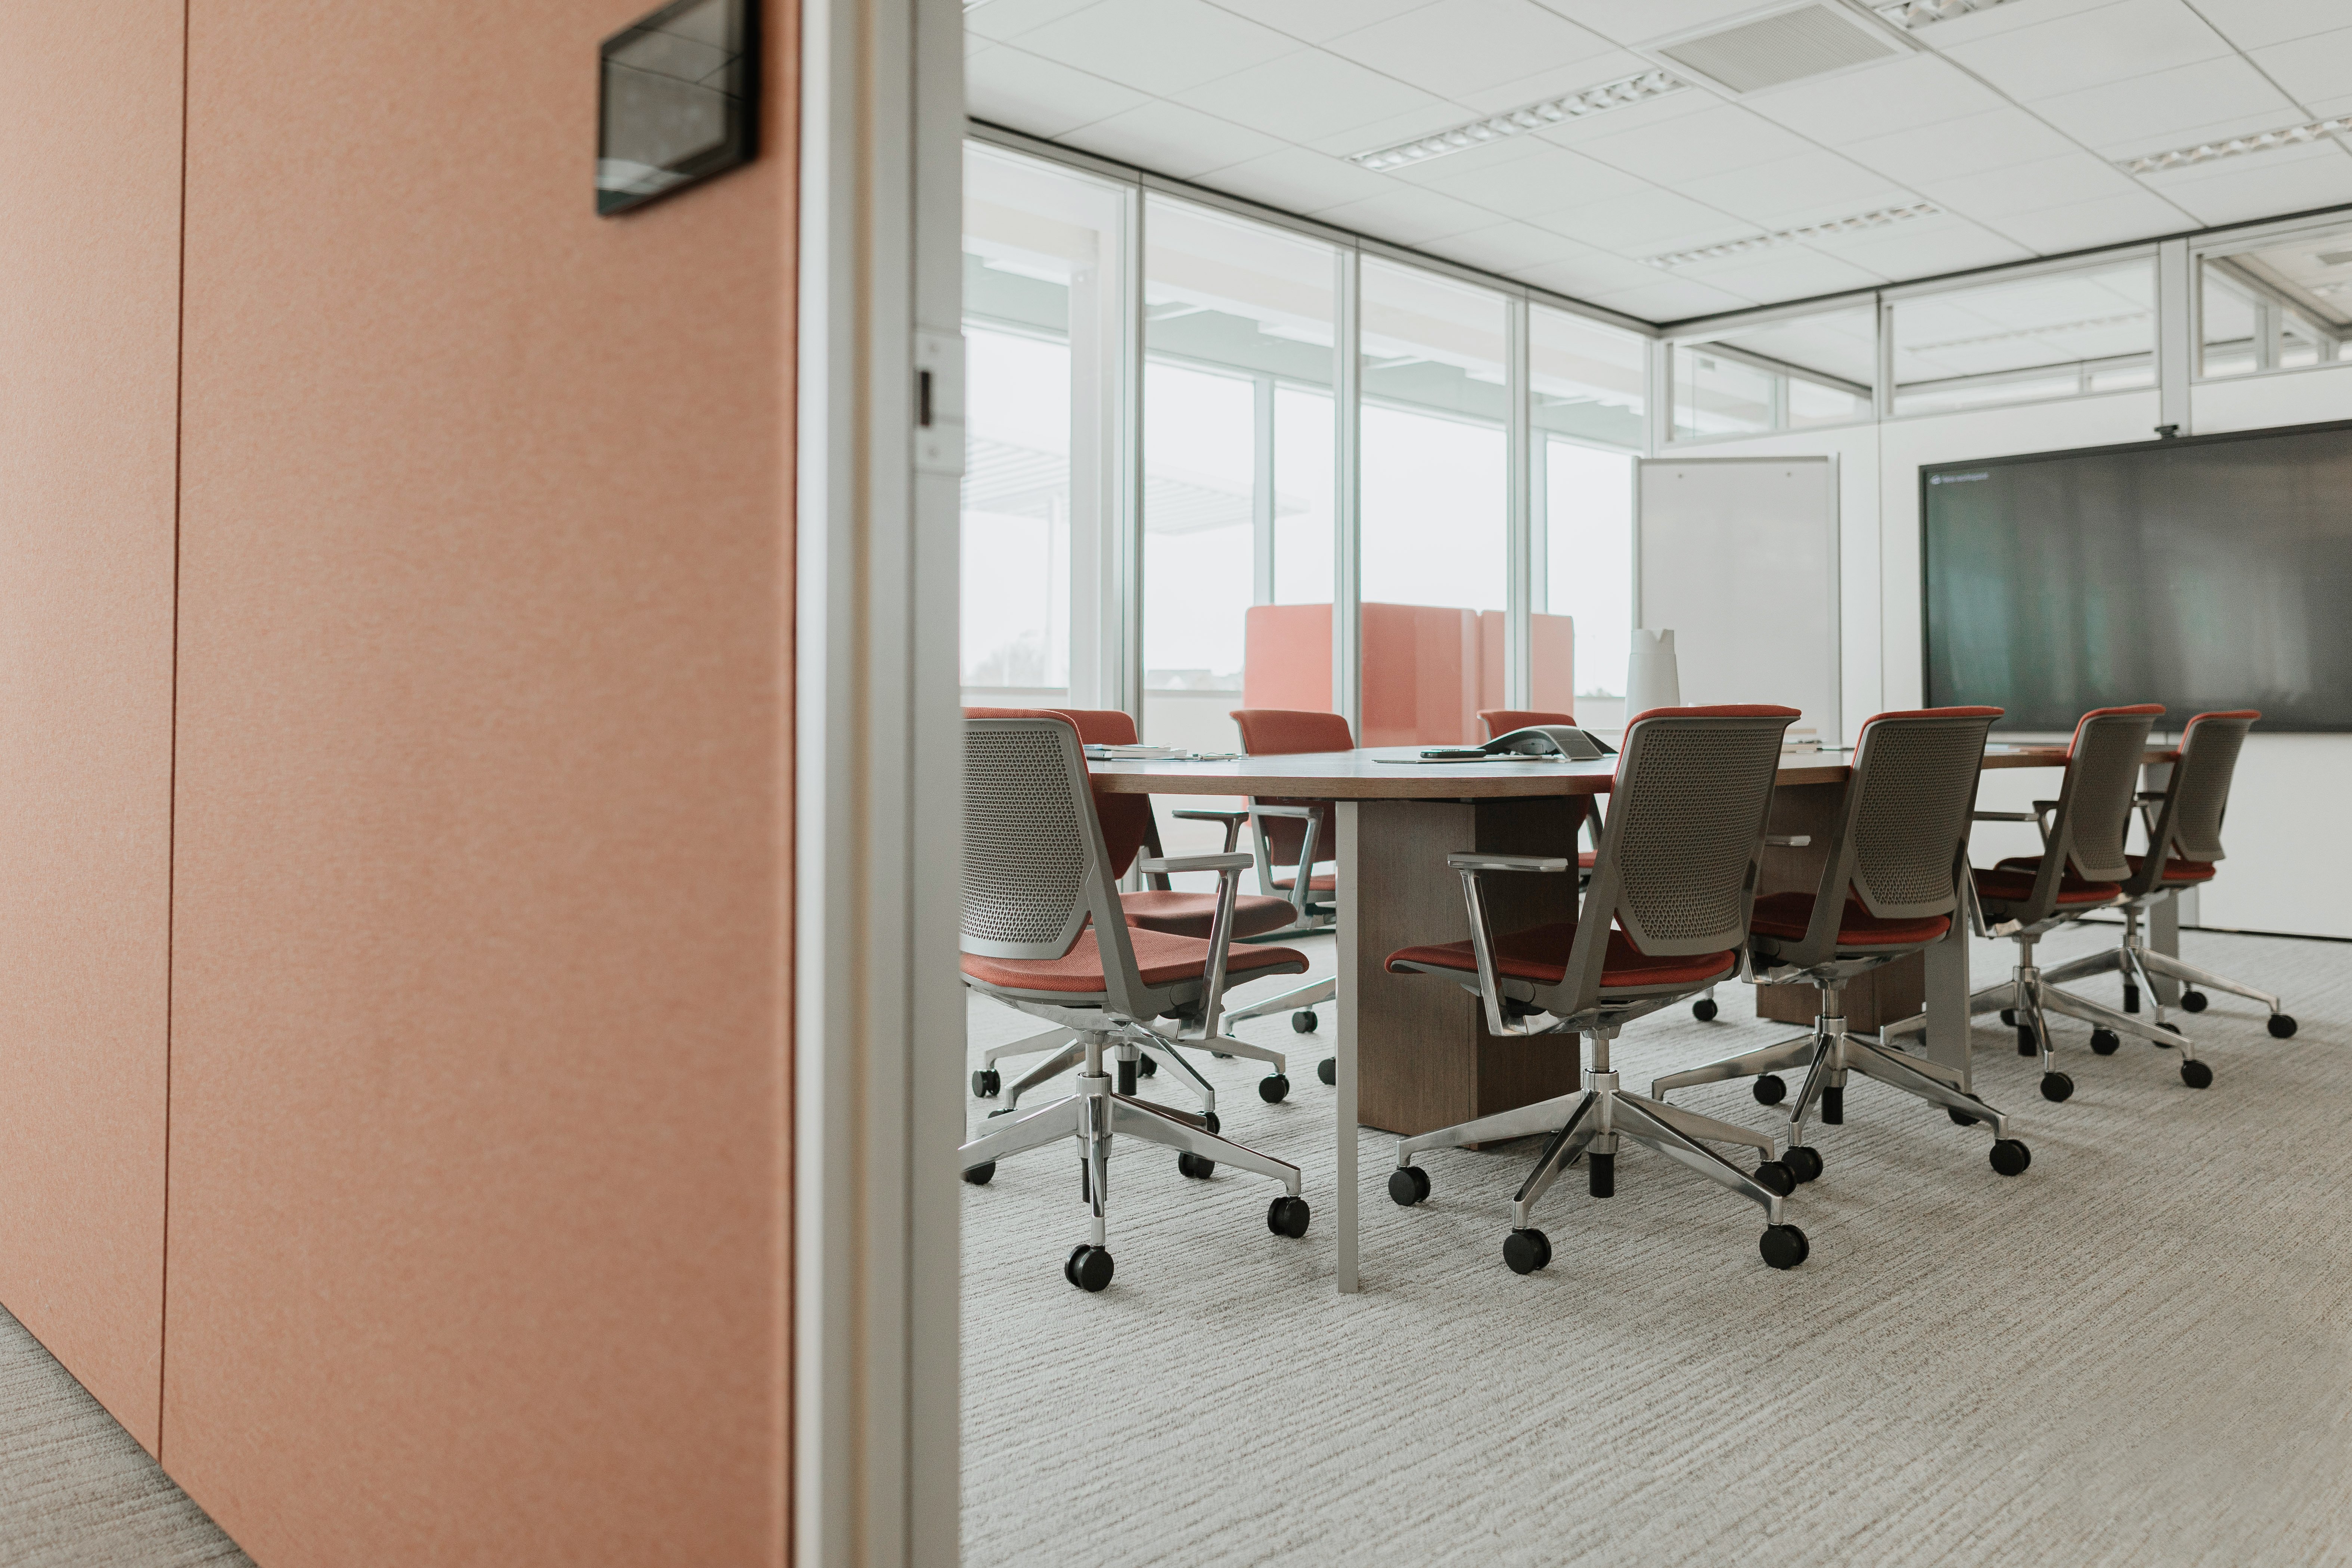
878,1010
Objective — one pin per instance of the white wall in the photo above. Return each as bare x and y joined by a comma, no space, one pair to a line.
2290,840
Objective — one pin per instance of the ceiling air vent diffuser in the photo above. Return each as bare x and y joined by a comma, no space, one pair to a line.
1789,46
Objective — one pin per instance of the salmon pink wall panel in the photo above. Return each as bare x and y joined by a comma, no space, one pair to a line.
479,1165
1287,657
90,254
1421,675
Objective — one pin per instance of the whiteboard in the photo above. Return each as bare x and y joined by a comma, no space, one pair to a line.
1739,557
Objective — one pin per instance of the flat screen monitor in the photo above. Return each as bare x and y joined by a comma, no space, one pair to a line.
2204,573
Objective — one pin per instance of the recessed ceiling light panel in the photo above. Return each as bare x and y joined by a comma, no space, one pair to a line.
1557,111
1754,242
1913,15
2231,147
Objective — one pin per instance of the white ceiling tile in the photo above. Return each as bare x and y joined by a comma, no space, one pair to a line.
1439,115
1811,187
2135,215
1004,19
1967,146
1784,272
1971,26
2132,37
1647,222
1310,96
1637,21
2320,66
1674,299
1691,146
1587,273
1924,248
1044,98
1544,181
1918,89
1503,246
2329,108
2162,109
1169,138
1300,180
1555,81
1408,218
1315,20
2028,187
2260,185
2251,24
1158,47
1457,47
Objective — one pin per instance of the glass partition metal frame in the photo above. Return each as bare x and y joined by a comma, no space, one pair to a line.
2291,315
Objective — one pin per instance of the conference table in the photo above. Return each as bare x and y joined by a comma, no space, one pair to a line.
1414,1054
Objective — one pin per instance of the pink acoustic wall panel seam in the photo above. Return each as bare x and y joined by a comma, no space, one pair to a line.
89,286
480,1085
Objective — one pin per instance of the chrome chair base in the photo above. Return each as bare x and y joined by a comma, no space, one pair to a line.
2140,965
1295,1000
1591,1123
1092,1116
1827,1055
2031,995
1135,1038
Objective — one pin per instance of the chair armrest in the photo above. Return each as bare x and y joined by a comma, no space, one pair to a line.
1787,840
1282,811
1211,816
1170,865
2153,794
2004,816
2041,806
1467,861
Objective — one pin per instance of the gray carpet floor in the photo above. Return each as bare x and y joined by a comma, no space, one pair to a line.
2138,1351
75,1491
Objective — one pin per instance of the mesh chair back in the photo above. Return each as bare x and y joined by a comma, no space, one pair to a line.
2102,781
1126,819
2201,781
1686,828
1032,848
1915,786
1281,732
1502,720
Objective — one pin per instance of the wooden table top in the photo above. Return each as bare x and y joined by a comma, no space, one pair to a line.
1359,776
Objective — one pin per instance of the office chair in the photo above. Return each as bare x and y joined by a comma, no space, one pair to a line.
1130,829
1889,888
1502,721
1043,934
1676,876
1295,836
2183,822
2082,868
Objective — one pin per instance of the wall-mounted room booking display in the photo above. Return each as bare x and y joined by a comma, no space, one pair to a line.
677,102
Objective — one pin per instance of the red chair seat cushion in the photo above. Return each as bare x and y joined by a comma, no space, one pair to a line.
1321,882
2179,870
1540,954
1786,916
2008,884
1162,959
1192,914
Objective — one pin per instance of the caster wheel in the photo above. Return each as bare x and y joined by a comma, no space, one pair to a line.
2010,1157
2106,1042
1272,1088
2056,1086
1209,1120
1088,1268
1222,1056
1600,1175
1526,1250
1960,1118
1804,1161
1288,1216
2131,997
1408,1185
2197,1075
2028,1043
1199,1167
1778,1177
2170,1029
985,1083
2009,1017
1003,1110
1328,1069
978,1175
2281,1026
1704,1009
2193,1001
1783,1246
1770,1089
1148,1066
1304,1022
